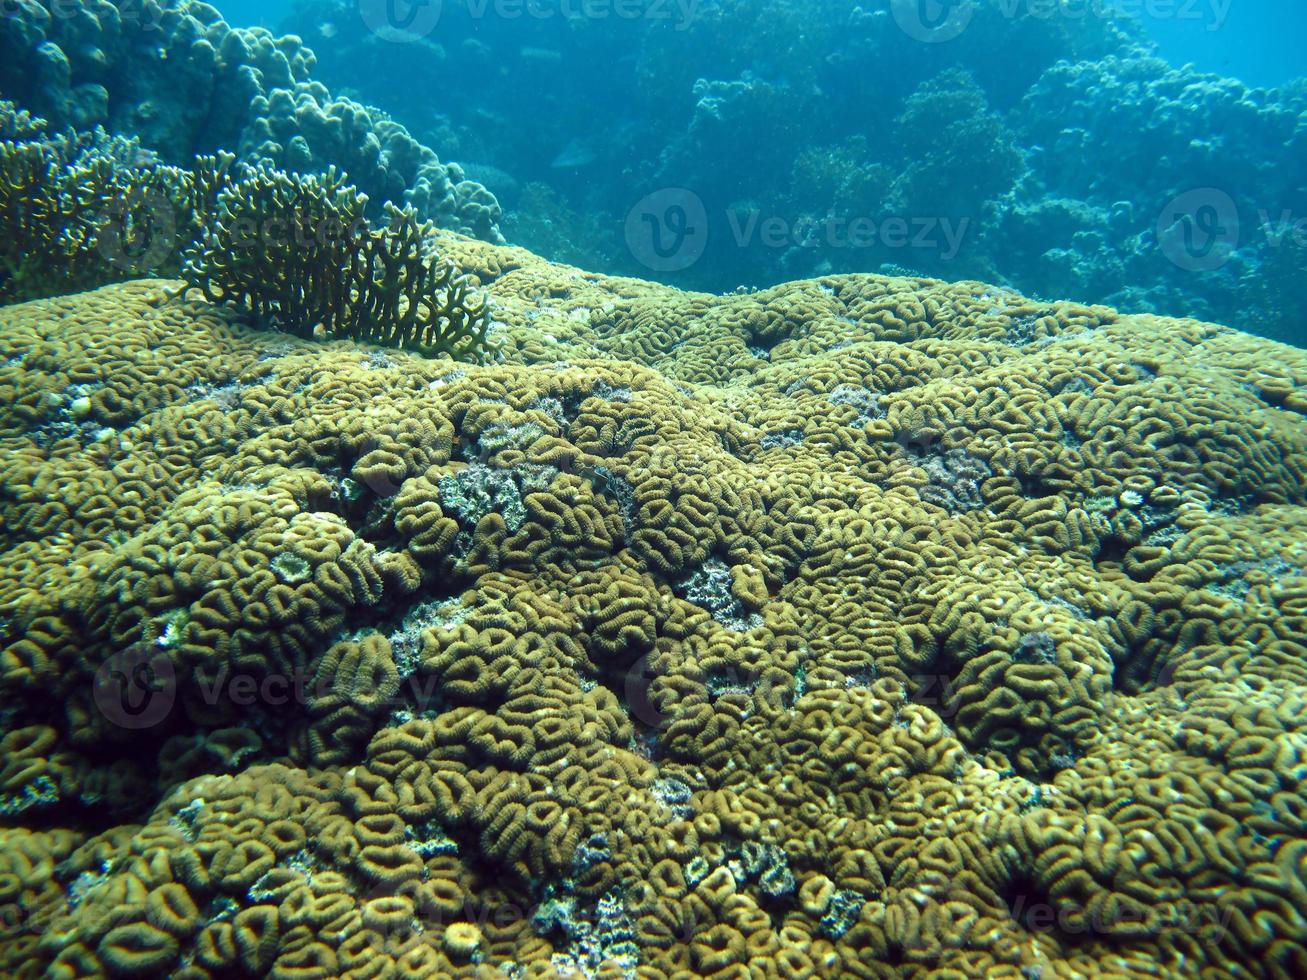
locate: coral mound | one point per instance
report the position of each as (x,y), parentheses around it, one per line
(861,627)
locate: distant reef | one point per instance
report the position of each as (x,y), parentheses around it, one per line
(860,627)
(1049,132)
(177,78)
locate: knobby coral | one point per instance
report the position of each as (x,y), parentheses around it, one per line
(186,83)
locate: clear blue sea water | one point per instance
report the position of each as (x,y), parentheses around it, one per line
(1262,42)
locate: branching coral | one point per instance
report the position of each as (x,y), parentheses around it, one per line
(187,83)
(41,223)
(297,253)
(18,124)
(80,210)
(83,209)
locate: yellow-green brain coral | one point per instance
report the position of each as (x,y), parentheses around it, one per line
(861,627)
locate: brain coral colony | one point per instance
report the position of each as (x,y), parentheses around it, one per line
(958,635)
(859,627)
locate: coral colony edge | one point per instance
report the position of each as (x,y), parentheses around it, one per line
(861,627)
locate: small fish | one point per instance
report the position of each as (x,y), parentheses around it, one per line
(598,477)
(577,153)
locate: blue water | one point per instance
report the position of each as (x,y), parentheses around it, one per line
(253,13)
(1146,154)
(1261,42)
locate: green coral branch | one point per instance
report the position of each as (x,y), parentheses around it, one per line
(80,210)
(296,253)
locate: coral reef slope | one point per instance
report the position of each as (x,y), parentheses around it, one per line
(861,627)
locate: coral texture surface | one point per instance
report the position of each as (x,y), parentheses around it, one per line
(860,627)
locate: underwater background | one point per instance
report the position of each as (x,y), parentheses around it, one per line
(1152,159)
(653,489)
(1040,147)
